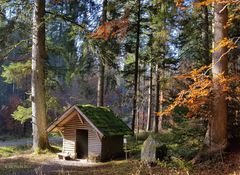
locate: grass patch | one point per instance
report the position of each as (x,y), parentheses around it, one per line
(11,150)
(51,150)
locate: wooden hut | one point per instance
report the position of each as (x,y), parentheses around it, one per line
(90,132)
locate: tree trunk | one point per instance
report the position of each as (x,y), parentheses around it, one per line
(157,107)
(39,119)
(101,73)
(143,104)
(206,39)
(160,110)
(138,103)
(149,118)
(216,137)
(135,96)
(100,87)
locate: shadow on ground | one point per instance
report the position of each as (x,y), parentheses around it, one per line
(50,165)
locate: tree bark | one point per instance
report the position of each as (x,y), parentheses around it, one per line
(157,107)
(135,96)
(149,118)
(101,73)
(160,110)
(138,103)
(206,38)
(216,136)
(39,119)
(100,87)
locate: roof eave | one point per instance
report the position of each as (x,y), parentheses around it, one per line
(60,119)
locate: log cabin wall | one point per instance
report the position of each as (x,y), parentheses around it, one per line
(69,137)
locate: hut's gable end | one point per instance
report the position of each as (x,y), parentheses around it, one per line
(69,136)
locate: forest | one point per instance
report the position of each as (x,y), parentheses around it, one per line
(169,69)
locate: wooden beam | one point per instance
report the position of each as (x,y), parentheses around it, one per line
(80,118)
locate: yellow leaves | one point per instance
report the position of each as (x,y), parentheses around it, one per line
(198,4)
(203,3)
(225,43)
(179,3)
(195,73)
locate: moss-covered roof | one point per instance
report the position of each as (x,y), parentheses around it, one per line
(105,120)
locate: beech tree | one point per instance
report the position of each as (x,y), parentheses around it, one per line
(39,119)
(211,90)
(216,137)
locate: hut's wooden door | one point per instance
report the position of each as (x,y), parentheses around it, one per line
(82,143)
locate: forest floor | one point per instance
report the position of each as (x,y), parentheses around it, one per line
(48,164)
(183,143)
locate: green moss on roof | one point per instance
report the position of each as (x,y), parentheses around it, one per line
(105,120)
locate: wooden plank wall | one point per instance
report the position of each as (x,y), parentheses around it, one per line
(69,139)
(112,147)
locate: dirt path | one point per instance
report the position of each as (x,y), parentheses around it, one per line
(29,164)
(26,141)
(49,164)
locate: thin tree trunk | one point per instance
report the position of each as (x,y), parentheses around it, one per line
(216,137)
(135,96)
(143,105)
(157,107)
(100,87)
(160,110)
(101,74)
(138,104)
(39,119)
(149,118)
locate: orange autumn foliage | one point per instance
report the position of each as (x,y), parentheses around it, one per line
(198,96)
(116,28)
(180,3)
(226,42)
(112,29)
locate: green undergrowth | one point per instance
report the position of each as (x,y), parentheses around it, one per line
(183,142)
(13,150)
